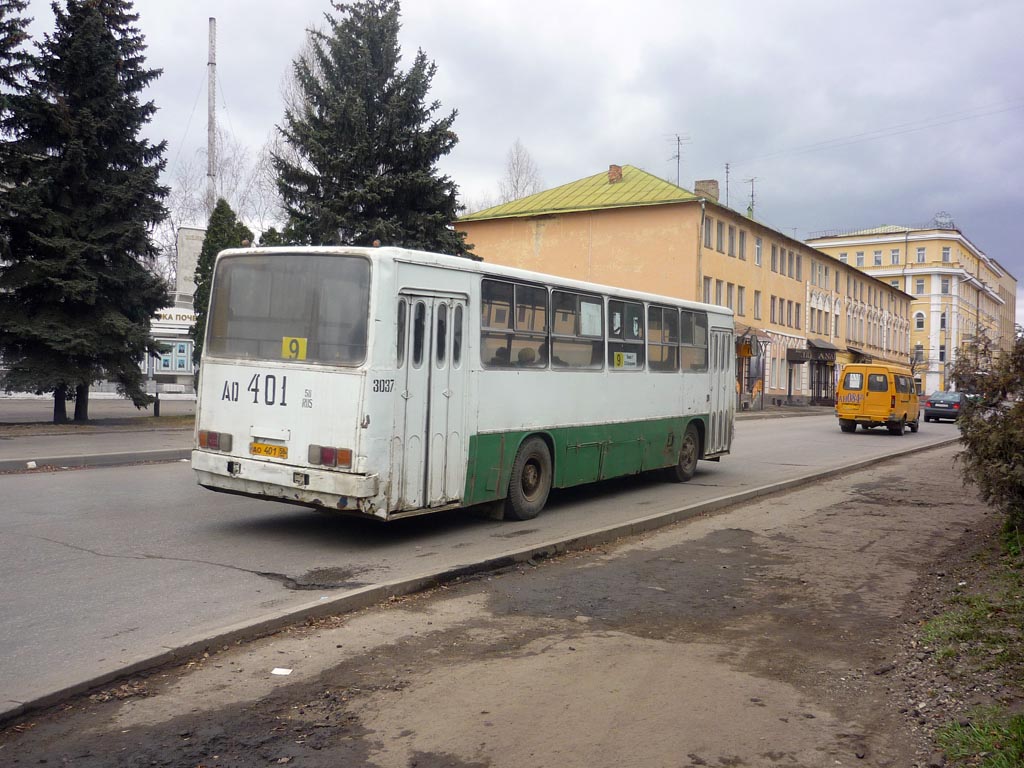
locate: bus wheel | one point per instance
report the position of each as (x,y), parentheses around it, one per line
(847,426)
(688,453)
(530,483)
(898,427)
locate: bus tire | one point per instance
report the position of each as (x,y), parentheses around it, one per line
(689,451)
(847,426)
(530,483)
(897,427)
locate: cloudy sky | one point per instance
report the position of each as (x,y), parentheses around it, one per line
(847,115)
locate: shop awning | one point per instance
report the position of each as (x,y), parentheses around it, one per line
(820,344)
(855,350)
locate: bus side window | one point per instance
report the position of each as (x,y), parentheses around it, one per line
(402,320)
(442,332)
(419,326)
(457,337)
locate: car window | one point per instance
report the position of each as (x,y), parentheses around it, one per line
(853,381)
(878,382)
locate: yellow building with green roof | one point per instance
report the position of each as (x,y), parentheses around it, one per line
(800,314)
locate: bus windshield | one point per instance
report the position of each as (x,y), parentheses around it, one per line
(307,307)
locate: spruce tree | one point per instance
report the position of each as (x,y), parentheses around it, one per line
(224,230)
(364,141)
(15,61)
(77,294)
(15,64)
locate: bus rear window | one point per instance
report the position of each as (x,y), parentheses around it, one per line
(312,308)
(853,381)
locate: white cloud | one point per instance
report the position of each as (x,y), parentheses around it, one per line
(924,95)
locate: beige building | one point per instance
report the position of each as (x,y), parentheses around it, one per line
(957,290)
(800,314)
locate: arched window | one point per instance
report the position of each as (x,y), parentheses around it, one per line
(919,321)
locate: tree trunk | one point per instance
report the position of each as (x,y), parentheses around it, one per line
(82,402)
(60,405)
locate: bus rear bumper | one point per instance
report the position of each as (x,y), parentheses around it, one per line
(298,485)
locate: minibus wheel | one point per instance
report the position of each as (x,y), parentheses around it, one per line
(530,483)
(848,425)
(898,427)
(689,451)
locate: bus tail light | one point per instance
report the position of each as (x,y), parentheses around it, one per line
(892,401)
(215,441)
(329,456)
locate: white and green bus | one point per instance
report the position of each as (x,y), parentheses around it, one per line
(387,383)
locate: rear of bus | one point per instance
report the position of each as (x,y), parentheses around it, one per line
(282,379)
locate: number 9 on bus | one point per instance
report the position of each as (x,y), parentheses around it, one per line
(293,348)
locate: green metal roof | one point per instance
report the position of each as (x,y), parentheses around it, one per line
(592,193)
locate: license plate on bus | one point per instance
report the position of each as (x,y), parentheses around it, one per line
(270,451)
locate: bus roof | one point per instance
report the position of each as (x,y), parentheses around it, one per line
(476,267)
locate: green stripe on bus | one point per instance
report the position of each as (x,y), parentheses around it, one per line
(581,454)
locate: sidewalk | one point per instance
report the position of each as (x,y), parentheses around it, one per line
(119,433)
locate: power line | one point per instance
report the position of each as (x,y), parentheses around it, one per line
(895,130)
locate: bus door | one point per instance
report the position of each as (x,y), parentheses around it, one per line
(430,463)
(722,400)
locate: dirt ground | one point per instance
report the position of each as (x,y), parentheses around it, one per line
(778,633)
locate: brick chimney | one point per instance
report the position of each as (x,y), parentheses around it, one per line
(706,188)
(614,174)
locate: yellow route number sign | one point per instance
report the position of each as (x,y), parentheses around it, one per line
(293,348)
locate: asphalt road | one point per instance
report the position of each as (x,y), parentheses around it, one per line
(110,567)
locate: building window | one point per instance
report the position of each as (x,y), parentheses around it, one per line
(860,258)
(919,321)
(836,334)
(773,315)
(775,258)
(797,315)
(719,285)
(789,313)
(919,353)
(945,254)
(707,290)
(894,256)
(741,300)
(919,286)
(790,272)
(843,258)
(728,295)
(707,232)
(945,285)
(743,245)
(942,353)
(799,267)
(757,305)
(878,258)
(942,321)
(920,255)
(757,251)
(732,240)
(720,237)
(895,284)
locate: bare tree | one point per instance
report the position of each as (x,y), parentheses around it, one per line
(522,178)
(246,183)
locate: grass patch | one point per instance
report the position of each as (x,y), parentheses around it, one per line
(144,421)
(991,740)
(981,637)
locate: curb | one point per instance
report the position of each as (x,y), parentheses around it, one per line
(94,460)
(364,597)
